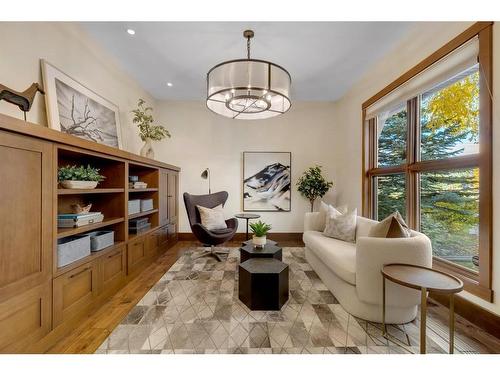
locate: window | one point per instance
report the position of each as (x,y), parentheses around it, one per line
(428,155)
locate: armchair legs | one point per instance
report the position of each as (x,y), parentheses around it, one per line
(212,252)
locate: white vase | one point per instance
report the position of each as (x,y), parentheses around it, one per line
(259,241)
(147,150)
(69,184)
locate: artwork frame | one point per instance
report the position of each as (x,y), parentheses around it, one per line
(88,115)
(257,164)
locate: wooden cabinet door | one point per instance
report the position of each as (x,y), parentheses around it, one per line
(151,244)
(75,291)
(136,255)
(25,318)
(163,197)
(26,213)
(172,196)
(163,239)
(113,270)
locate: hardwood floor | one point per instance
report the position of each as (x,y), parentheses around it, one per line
(99,324)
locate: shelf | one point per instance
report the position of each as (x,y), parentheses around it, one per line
(89,191)
(140,214)
(142,190)
(65,232)
(92,256)
(132,236)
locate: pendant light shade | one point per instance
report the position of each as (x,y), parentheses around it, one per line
(248,89)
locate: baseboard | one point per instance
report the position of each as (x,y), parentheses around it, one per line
(475,314)
(279,237)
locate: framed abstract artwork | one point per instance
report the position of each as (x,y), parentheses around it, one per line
(267,181)
(74,109)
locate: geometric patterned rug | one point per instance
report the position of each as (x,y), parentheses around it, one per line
(194,308)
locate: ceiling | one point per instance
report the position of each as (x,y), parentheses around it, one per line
(324,58)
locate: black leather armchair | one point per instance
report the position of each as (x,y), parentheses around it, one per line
(209,237)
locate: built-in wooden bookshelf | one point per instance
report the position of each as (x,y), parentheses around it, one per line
(40,301)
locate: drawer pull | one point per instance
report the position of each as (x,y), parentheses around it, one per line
(113,255)
(78,273)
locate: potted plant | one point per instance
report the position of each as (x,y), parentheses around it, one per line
(259,230)
(313,185)
(73,177)
(147,130)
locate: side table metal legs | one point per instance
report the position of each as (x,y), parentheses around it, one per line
(423,320)
(383,307)
(247,230)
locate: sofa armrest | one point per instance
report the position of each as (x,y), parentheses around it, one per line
(373,253)
(313,221)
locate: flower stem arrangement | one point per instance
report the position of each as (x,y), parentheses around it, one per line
(79,177)
(259,230)
(313,185)
(147,130)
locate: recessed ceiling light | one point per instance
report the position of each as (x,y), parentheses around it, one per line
(170,84)
(131,31)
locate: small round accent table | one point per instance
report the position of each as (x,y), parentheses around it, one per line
(426,280)
(247,217)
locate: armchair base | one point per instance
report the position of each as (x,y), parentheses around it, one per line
(212,252)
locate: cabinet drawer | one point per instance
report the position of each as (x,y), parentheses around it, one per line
(113,269)
(75,291)
(136,254)
(25,318)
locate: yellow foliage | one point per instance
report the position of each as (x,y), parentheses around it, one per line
(456,105)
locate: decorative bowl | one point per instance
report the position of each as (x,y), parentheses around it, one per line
(69,184)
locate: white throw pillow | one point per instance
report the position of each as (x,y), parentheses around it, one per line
(341,225)
(212,218)
(323,210)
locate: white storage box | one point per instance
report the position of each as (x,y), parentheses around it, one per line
(134,206)
(70,249)
(101,239)
(146,205)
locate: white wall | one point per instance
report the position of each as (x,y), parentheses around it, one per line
(66,46)
(424,40)
(201,139)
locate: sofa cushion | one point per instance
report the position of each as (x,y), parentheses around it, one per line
(341,225)
(339,256)
(393,226)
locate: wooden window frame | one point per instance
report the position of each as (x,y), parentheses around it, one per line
(479,284)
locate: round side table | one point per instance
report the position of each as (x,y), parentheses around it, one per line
(247,217)
(426,280)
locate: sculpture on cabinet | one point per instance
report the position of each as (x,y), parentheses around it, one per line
(24,99)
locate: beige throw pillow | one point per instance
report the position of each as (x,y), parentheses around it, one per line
(393,226)
(325,210)
(212,218)
(340,225)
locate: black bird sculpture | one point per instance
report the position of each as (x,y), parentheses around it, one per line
(23,100)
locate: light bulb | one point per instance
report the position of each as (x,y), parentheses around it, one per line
(131,31)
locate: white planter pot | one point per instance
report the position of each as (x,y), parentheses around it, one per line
(68,184)
(147,150)
(259,241)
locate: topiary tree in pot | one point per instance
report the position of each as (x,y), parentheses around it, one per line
(313,185)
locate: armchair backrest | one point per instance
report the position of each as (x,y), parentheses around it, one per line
(207,200)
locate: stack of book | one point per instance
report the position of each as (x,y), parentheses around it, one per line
(78,220)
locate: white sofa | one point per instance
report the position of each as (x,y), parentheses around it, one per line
(352,270)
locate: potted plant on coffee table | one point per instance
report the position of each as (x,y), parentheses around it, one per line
(260,230)
(79,177)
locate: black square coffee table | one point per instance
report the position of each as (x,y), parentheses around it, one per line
(263,283)
(268,251)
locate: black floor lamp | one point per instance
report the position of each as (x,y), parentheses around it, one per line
(206,174)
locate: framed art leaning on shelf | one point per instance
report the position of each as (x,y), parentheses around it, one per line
(75,109)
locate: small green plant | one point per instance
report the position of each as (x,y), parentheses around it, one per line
(144,121)
(81,173)
(260,229)
(313,185)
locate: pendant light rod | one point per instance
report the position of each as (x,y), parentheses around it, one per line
(248,34)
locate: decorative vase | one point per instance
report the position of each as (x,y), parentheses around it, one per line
(147,149)
(259,241)
(69,184)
